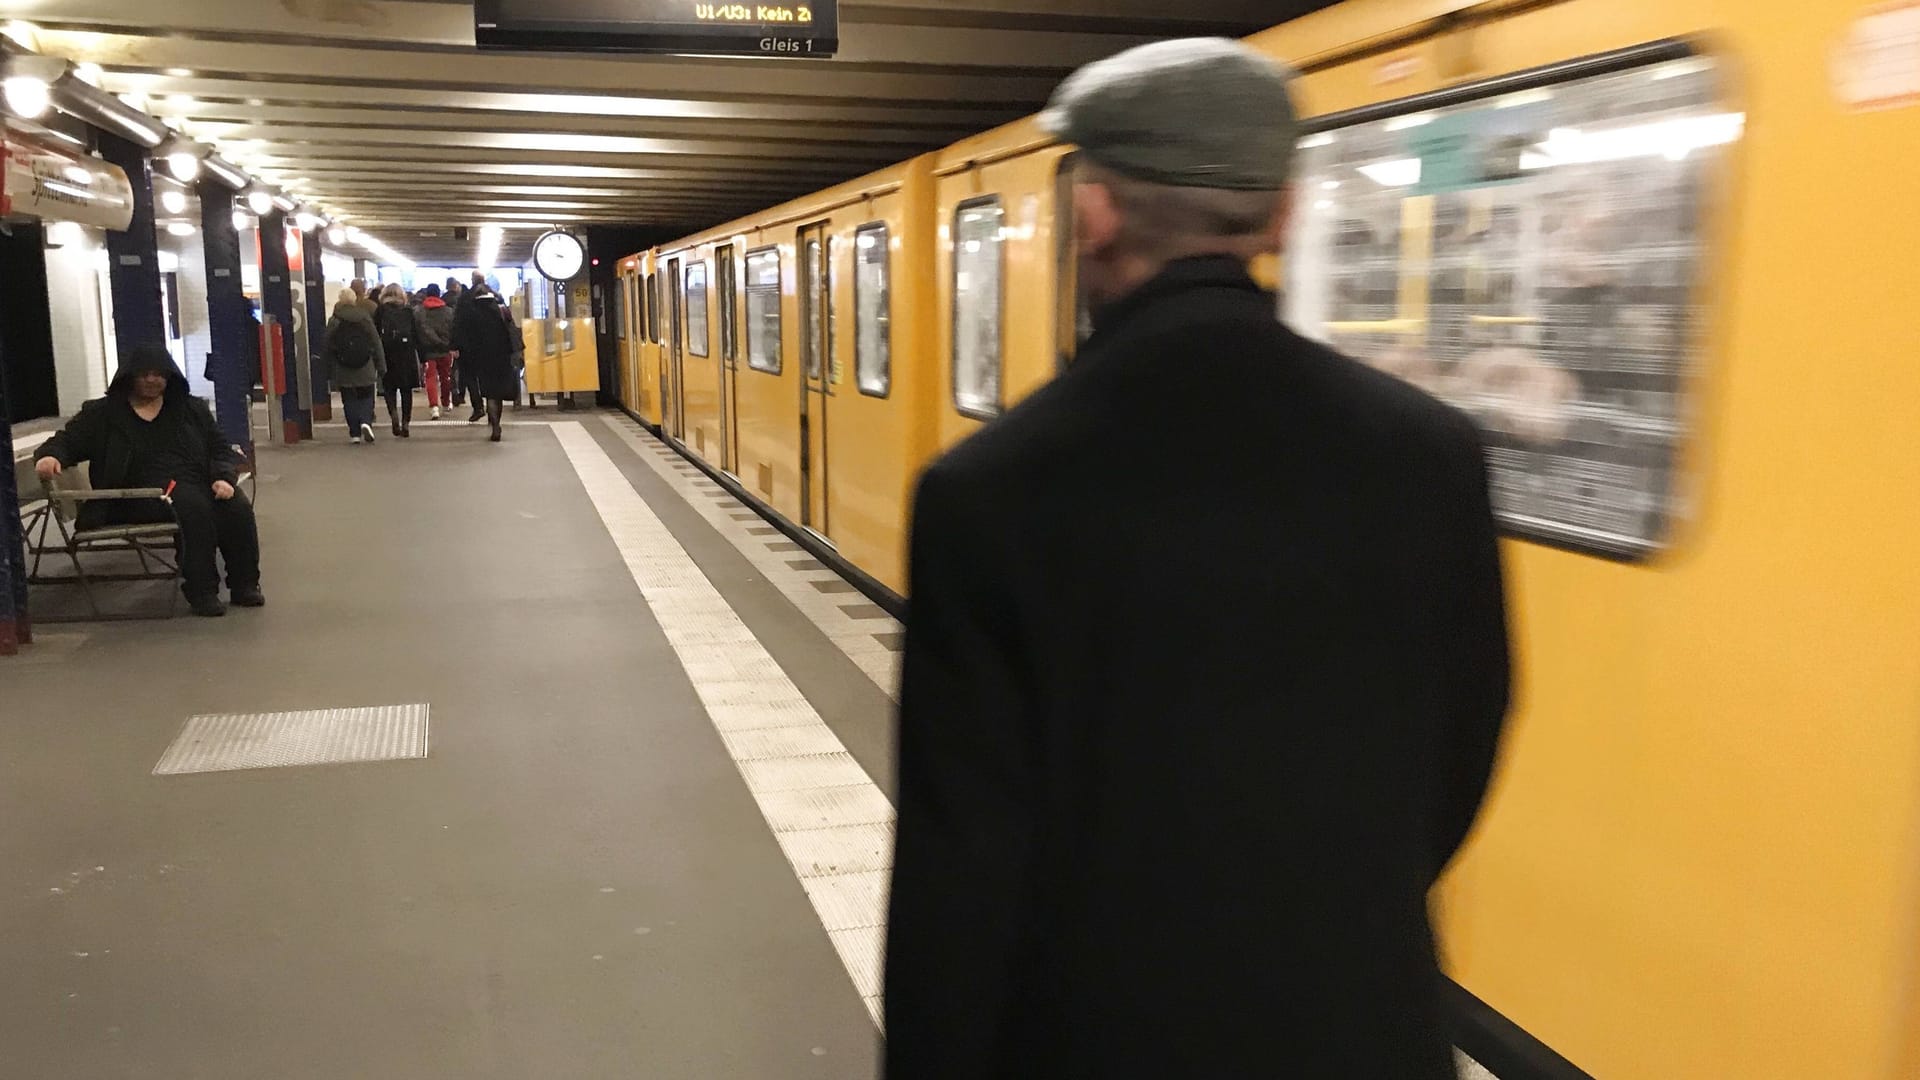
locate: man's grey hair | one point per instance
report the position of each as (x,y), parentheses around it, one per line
(1163,222)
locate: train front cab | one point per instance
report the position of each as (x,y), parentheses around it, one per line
(1702,852)
(780,358)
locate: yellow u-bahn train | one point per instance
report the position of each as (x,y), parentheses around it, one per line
(1664,251)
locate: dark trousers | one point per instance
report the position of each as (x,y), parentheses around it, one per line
(208,525)
(400,407)
(357,401)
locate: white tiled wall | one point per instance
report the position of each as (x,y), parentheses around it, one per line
(196,336)
(81,311)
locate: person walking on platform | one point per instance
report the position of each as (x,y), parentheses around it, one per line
(435,318)
(149,431)
(360,297)
(1181,751)
(356,362)
(483,342)
(400,344)
(455,293)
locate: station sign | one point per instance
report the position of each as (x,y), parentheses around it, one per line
(705,27)
(41,180)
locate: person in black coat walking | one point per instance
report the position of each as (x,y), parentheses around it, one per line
(1183,745)
(149,431)
(483,341)
(400,342)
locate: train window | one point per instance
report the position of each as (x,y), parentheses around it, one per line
(977,304)
(763,310)
(813,273)
(1530,253)
(653,307)
(1073,324)
(697,309)
(873,311)
(725,285)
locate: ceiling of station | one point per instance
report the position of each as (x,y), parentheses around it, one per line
(383,111)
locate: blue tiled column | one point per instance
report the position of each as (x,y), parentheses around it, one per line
(138,310)
(276,299)
(15,629)
(317,308)
(230,365)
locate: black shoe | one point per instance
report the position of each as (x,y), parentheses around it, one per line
(208,608)
(478,415)
(396,429)
(405,432)
(495,437)
(248,597)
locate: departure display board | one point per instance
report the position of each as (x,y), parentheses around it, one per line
(660,26)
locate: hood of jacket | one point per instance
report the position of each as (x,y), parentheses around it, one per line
(433,303)
(146,358)
(353,311)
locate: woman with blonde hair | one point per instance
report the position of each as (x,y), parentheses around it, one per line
(357,363)
(400,341)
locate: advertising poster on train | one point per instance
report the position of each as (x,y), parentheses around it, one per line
(1530,259)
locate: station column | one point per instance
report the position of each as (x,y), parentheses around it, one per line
(276,301)
(133,255)
(15,628)
(317,307)
(234,342)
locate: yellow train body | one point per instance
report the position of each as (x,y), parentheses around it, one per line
(1702,856)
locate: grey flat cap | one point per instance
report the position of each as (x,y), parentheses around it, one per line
(1199,112)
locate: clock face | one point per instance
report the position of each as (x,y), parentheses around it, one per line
(559,256)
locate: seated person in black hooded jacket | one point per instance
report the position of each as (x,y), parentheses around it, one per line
(150,432)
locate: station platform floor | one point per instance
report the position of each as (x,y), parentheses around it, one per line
(648,776)
(545,759)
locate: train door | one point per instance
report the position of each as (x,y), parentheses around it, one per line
(816,349)
(676,352)
(725,285)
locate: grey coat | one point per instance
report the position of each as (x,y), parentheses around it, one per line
(351,334)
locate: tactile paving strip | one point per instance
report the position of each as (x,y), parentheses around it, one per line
(278,740)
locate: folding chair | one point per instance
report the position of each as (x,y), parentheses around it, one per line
(54,529)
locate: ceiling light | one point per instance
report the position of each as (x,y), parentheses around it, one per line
(179,228)
(133,99)
(489,255)
(27,95)
(23,33)
(305,222)
(181,101)
(173,202)
(336,236)
(180,73)
(78,175)
(285,204)
(184,165)
(89,73)
(260,201)
(241,221)
(1412,120)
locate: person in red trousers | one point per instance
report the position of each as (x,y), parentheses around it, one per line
(436,349)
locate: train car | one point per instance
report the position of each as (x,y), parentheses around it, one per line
(640,357)
(1659,251)
(779,334)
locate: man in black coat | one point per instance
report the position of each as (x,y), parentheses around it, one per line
(149,431)
(1206,654)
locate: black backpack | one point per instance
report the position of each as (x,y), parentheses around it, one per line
(396,330)
(355,346)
